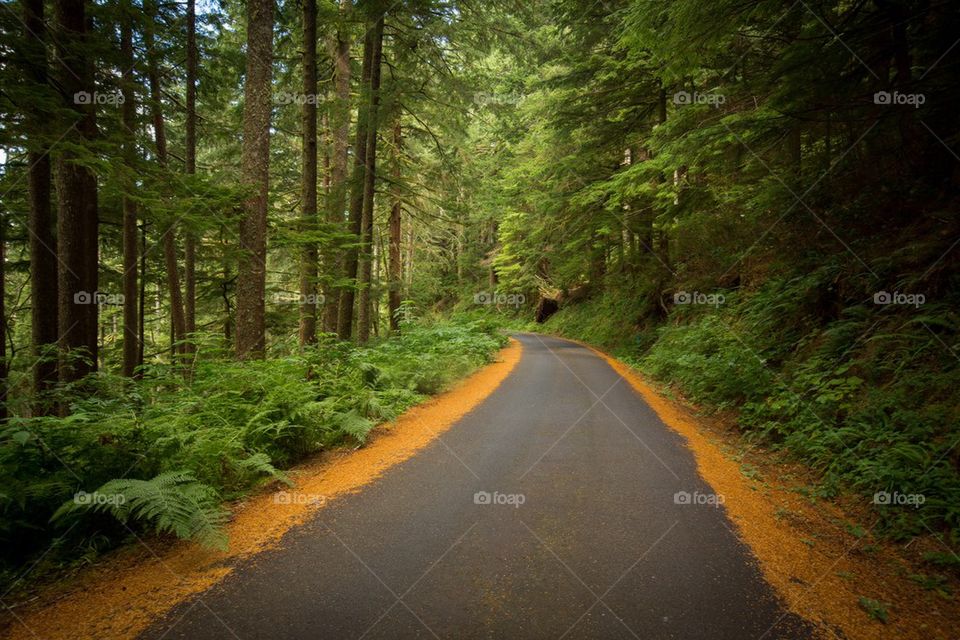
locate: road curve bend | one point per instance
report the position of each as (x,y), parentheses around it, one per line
(561,507)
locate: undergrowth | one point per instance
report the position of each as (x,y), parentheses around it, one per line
(864,393)
(161,454)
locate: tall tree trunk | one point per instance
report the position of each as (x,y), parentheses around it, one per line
(4,365)
(77,223)
(340,124)
(369,186)
(43,244)
(308,185)
(177,320)
(190,259)
(394,266)
(141,306)
(252,274)
(128,120)
(351,255)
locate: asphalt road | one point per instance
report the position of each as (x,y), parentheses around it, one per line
(550,511)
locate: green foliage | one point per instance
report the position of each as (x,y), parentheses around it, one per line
(172,502)
(174,449)
(874,608)
(867,398)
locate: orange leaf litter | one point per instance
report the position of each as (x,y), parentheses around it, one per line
(822,582)
(133,587)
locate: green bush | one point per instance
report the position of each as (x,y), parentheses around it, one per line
(864,393)
(174,448)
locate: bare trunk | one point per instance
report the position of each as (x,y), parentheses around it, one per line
(76,200)
(394,266)
(4,365)
(340,124)
(177,321)
(369,185)
(190,259)
(141,307)
(308,186)
(128,115)
(43,244)
(252,274)
(351,255)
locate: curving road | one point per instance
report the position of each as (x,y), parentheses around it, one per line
(547,512)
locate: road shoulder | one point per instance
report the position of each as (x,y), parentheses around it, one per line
(825,567)
(129,588)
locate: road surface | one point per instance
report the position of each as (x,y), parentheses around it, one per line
(554,510)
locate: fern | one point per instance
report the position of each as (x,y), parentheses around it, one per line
(172,502)
(354,425)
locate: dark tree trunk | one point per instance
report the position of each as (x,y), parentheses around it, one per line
(308,185)
(394,264)
(351,255)
(340,124)
(43,244)
(177,320)
(131,348)
(369,186)
(4,365)
(76,199)
(141,303)
(252,274)
(190,259)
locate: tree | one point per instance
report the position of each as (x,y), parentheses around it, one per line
(131,333)
(190,161)
(76,184)
(169,238)
(308,187)
(255,161)
(351,255)
(369,187)
(339,50)
(395,266)
(43,244)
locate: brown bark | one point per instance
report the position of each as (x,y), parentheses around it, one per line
(43,244)
(255,163)
(141,306)
(340,125)
(351,255)
(76,199)
(4,365)
(131,347)
(177,320)
(369,186)
(308,185)
(394,264)
(190,260)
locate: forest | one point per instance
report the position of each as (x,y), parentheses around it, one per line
(237,234)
